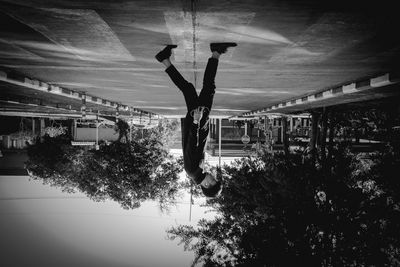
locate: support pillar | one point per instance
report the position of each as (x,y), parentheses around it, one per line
(33,126)
(331,134)
(217,128)
(97,135)
(291,124)
(220,141)
(42,126)
(314,134)
(324,122)
(75,130)
(213,129)
(265,127)
(83,107)
(209,133)
(285,141)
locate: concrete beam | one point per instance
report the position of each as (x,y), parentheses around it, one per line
(304,102)
(39,114)
(53,89)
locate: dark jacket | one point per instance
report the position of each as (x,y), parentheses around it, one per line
(193,148)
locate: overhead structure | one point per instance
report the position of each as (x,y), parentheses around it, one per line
(382,86)
(22,95)
(291,55)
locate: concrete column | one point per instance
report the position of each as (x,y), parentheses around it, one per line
(216,125)
(217,128)
(209,133)
(212,128)
(33,126)
(83,107)
(42,126)
(314,134)
(331,133)
(75,126)
(130,132)
(324,122)
(285,141)
(97,135)
(220,140)
(281,128)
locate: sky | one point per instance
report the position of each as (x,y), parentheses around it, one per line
(42,226)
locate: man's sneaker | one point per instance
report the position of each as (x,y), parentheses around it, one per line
(165,53)
(221,47)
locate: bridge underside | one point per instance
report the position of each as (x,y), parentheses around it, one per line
(287,50)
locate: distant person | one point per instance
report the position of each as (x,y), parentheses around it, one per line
(122,127)
(195,127)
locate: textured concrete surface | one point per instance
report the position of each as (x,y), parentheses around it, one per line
(286,48)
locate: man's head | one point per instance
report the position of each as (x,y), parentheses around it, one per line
(210,186)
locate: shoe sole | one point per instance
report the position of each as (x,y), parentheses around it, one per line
(171,46)
(224,44)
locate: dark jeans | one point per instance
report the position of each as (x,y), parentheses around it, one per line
(207,92)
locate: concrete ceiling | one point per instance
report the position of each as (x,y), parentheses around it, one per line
(285,48)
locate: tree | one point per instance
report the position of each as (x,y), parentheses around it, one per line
(166,132)
(128,173)
(285,211)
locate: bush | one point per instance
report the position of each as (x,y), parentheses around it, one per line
(283,211)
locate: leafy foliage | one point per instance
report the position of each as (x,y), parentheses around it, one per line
(128,173)
(283,211)
(165,132)
(368,123)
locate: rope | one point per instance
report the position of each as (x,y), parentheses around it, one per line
(198,135)
(194,21)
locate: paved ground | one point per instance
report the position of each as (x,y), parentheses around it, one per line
(286,48)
